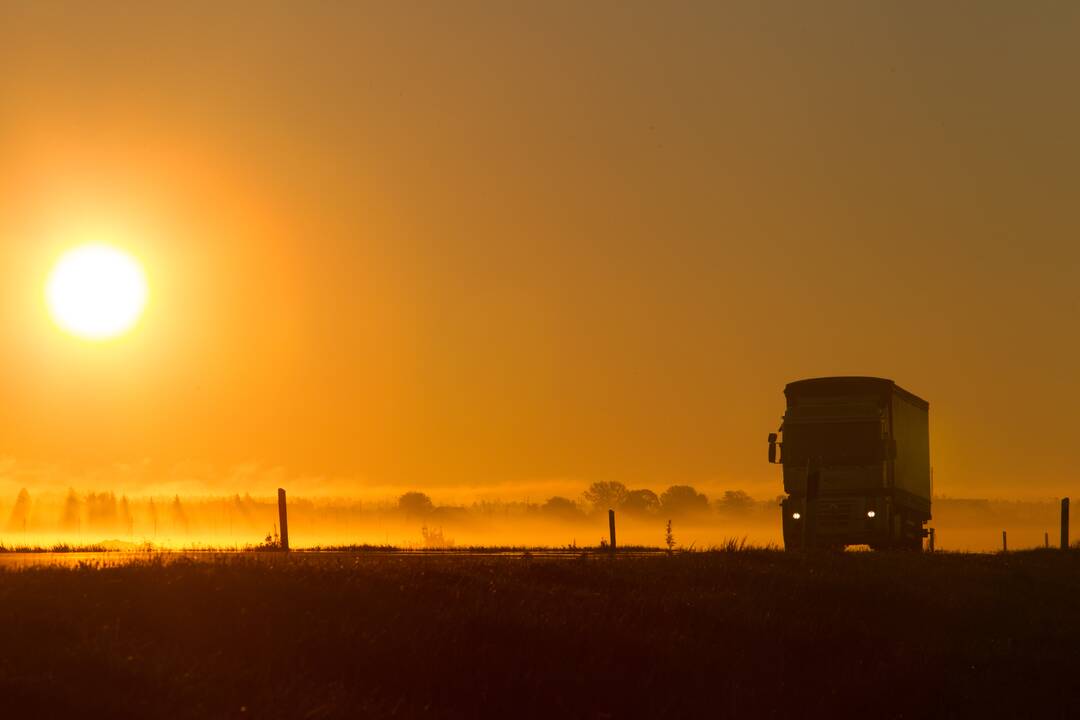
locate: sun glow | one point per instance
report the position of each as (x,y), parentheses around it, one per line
(96,292)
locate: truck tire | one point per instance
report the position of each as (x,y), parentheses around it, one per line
(911,534)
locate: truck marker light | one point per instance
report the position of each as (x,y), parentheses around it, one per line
(795,516)
(870,513)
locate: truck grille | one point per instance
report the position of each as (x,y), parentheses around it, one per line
(834,513)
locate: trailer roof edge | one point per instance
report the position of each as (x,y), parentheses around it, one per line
(848,383)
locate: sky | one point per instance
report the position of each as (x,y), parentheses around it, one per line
(515,248)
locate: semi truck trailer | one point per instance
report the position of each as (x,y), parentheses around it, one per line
(855,453)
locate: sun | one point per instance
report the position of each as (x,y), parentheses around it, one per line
(96,292)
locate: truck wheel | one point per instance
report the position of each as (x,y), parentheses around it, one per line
(911,542)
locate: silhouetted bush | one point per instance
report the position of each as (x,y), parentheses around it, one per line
(415,504)
(604,496)
(641,502)
(735,502)
(683,500)
(562,508)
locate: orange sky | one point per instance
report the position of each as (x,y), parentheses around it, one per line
(497,245)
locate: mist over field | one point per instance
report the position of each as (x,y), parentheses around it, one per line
(419,520)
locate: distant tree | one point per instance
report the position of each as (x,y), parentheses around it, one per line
(669,538)
(101,511)
(606,495)
(415,504)
(560,507)
(243,506)
(641,502)
(125,516)
(20,515)
(70,519)
(736,502)
(683,500)
(178,516)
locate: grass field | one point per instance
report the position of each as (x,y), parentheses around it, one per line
(727,634)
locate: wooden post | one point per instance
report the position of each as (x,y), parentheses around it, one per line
(931,539)
(1064,523)
(611,528)
(283,518)
(1004,542)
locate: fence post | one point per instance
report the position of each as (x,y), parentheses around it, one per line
(283,518)
(1064,523)
(611,528)
(931,539)
(1004,542)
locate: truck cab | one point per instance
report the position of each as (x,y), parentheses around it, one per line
(855,453)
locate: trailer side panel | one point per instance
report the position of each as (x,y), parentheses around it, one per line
(911,469)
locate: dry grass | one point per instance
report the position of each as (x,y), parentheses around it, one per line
(748,633)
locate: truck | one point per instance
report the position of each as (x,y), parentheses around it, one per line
(856,458)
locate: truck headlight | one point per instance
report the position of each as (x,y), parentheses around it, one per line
(870,513)
(795,516)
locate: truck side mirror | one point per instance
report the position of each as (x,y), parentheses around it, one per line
(772,447)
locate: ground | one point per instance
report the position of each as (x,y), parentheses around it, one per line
(725,634)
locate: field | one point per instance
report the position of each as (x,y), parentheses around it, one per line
(739,633)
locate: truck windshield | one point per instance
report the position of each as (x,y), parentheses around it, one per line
(850,442)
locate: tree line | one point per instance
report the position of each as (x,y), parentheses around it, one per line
(675,501)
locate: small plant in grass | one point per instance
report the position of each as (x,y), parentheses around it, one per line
(669,538)
(272,541)
(434,539)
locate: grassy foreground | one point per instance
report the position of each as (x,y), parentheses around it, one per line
(727,634)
